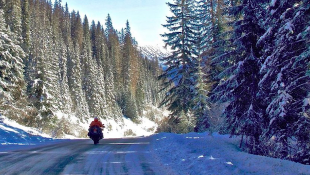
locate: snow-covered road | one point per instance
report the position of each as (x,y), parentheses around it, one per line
(110,156)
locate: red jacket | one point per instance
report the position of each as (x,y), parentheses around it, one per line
(96,122)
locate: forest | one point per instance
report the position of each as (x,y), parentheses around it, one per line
(246,59)
(53,61)
(238,67)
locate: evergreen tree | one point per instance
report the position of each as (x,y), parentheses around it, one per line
(109,27)
(180,64)
(66,26)
(239,79)
(35,68)
(284,83)
(79,104)
(92,76)
(203,38)
(13,16)
(12,83)
(76,29)
(25,25)
(130,70)
(114,53)
(130,64)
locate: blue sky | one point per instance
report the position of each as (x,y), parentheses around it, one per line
(145,16)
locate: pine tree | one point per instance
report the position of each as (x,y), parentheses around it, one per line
(203,38)
(180,64)
(92,76)
(284,83)
(42,68)
(130,64)
(13,16)
(114,54)
(76,29)
(239,79)
(129,67)
(25,25)
(66,26)
(12,84)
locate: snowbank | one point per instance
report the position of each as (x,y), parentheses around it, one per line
(14,136)
(206,153)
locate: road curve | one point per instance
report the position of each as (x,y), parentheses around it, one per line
(110,156)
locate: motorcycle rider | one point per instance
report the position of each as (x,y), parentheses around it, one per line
(98,123)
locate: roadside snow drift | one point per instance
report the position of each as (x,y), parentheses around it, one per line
(216,154)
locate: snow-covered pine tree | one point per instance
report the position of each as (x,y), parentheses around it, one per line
(79,107)
(25,25)
(78,98)
(92,76)
(12,83)
(302,126)
(40,74)
(76,29)
(180,65)
(284,85)
(239,78)
(94,41)
(59,47)
(13,16)
(79,104)
(114,54)
(130,75)
(66,26)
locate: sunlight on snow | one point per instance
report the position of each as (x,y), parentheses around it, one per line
(162,138)
(193,137)
(229,163)
(125,152)
(212,158)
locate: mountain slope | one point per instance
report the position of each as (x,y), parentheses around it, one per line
(152,52)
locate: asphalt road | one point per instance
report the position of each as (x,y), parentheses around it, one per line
(110,156)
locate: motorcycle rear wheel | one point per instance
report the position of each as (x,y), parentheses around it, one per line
(96,141)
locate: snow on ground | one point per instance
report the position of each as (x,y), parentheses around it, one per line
(127,128)
(193,153)
(206,153)
(14,133)
(15,136)
(119,127)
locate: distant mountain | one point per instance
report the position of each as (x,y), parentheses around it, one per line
(152,52)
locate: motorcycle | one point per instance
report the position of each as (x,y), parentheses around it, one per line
(95,133)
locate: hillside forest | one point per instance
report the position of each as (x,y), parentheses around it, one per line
(55,61)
